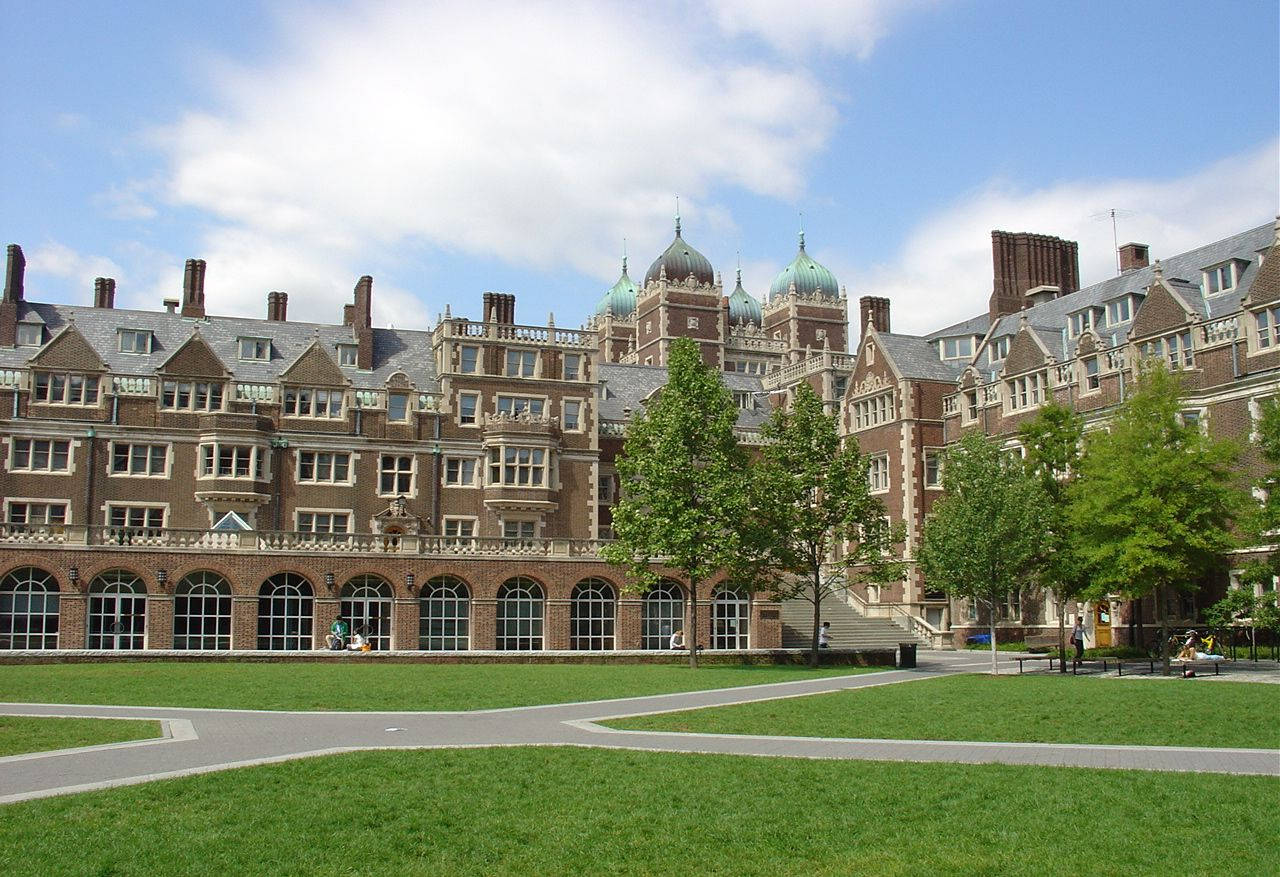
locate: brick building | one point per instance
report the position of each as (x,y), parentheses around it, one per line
(176,479)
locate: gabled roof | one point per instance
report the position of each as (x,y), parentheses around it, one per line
(194,358)
(69,349)
(915,357)
(315,366)
(627,386)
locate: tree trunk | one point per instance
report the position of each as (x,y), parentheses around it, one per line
(692,640)
(817,620)
(1163,615)
(1062,636)
(991,619)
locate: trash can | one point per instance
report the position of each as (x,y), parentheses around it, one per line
(906,655)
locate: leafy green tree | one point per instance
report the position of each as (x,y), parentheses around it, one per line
(684,482)
(988,529)
(1228,613)
(1263,522)
(1053,443)
(812,501)
(1155,499)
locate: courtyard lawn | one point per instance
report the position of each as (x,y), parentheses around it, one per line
(22,734)
(1040,709)
(577,811)
(349,686)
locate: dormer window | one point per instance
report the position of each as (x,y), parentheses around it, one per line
(1222,278)
(29,335)
(1119,311)
(348,354)
(135,340)
(66,389)
(1078,322)
(255,349)
(743,400)
(313,402)
(956,348)
(998,349)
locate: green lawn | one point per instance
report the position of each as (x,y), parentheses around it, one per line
(1044,709)
(370,686)
(20,734)
(577,811)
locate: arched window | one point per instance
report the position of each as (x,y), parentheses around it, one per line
(592,615)
(663,613)
(117,611)
(284,613)
(366,606)
(520,615)
(28,610)
(202,612)
(444,615)
(730,615)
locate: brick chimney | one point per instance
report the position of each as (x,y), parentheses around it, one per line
(499,307)
(1134,256)
(362,322)
(874,310)
(1022,261)
(277,306)
(104,292)
(15,270)
(193,289)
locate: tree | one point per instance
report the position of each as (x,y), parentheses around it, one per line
(1155,499)
(684,482)
(1053,441)
(987,529)
(811,497)
(1262,524)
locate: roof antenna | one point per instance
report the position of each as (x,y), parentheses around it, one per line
(1112,213)
(739,267)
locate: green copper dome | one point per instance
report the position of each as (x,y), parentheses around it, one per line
(743,307)
(621,297)
(680,260)
(808,276)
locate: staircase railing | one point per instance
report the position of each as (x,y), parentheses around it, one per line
(912,624)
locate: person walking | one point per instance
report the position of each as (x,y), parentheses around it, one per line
(824,635)
(1077,640)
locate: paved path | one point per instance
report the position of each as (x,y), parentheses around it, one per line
(203,740)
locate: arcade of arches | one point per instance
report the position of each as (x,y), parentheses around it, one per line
(123,608)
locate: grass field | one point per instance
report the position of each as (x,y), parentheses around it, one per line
(575,811)
(1044,709)
(370,686)
(21,734)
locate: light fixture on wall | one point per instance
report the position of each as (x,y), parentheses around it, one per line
(409,581)
(73,574)
(162,578)
(328,581)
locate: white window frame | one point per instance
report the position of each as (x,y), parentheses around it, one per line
(937,456)
(260,351)
(459,530)
(458,477)
(505,461)
(878,473)
(408,406)
(475,411)
(1266,324)
(521,363)
(50,452)
(873,411)
(313,516)
(527,527)
(476,363)
(76,389)
(127,510)
(1221,278)
(513,405)
(349,355)
(129,471)
(1090,383)
(178,395)
(395,470)
(316,459)
(1028,391)
(23,335)
(46,504)
(575,372)
(691,323)
(1115,306)
(564,414)
(135,335)
(209,460)
(313,403)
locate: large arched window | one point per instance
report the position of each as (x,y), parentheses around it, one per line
(366,606)
(444,615)
(117,611)
(520,615)
(663,613)
(28,610)
(730,615)
(592,615)
(202,612)
(284,613)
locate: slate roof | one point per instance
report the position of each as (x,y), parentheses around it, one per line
(973,326)
(625,386)
(916,357)
(394,350)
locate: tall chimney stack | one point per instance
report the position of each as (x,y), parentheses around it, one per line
(193,289)
(104,292)
(277,306)
(15,268)
(1022,261)
(874,310)
(362,322)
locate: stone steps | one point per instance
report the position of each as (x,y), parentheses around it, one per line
(849,630)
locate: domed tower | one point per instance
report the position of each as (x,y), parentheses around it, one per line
(680,298)
(744,309)
(615,318)
(806,307)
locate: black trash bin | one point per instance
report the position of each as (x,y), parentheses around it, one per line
(906,655)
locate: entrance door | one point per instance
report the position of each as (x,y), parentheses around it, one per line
(117,621)
(1102,625)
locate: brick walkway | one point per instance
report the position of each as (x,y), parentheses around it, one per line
(201,740)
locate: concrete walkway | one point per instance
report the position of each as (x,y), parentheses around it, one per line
(204,740)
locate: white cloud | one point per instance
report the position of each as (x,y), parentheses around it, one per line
(942,272)
(129,200)
(800,27)
(541,134)
(57,260)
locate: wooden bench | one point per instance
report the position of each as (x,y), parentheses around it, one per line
(1038,641)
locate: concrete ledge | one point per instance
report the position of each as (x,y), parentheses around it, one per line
(836,657)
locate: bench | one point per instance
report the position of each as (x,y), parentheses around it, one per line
(1041,641)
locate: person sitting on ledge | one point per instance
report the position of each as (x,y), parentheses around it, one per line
(677,639)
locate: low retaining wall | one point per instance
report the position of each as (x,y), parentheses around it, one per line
(830,657)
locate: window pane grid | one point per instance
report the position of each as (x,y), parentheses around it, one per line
(117,611)
(592,614)
(28,610)
(520,607)
(366,607)
(730,615)
(445,613)
(202,612)
(285,613)
(663,614)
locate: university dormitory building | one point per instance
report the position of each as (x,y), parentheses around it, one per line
(179,480)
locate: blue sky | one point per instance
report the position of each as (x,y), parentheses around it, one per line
(452,148)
